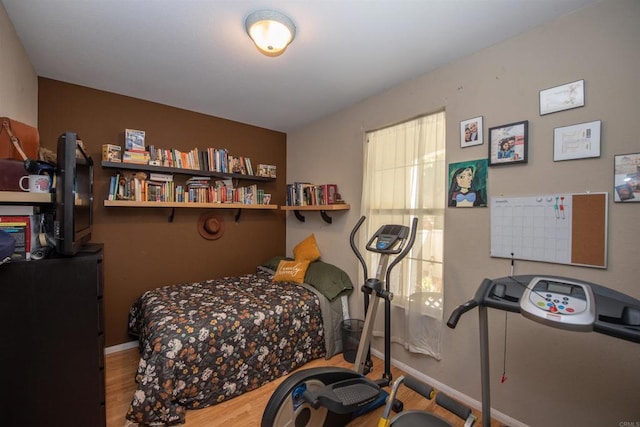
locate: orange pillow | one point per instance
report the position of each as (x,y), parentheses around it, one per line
(307,250)
(291,271)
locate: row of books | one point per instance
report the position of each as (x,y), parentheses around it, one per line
(161,188)
(209,159)
(308,194)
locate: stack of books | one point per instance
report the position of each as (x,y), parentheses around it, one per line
(308,194)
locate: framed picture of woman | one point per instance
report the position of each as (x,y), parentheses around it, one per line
(468,184)
(508,144)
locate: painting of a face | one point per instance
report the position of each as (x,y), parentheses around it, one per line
(464,178)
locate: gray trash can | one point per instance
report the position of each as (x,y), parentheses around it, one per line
(351,333)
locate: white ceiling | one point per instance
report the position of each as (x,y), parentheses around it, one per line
(195,54)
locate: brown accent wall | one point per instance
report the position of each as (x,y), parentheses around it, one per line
(143,250)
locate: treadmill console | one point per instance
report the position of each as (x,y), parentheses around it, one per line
(559,303)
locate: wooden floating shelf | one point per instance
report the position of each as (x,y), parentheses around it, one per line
(181,205)
(134,204)
(25,197)
(183,171)
(338,207)
(318,208)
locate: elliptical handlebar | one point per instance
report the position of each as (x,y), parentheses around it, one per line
(355,248)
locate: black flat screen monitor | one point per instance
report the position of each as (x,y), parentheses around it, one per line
(74,196)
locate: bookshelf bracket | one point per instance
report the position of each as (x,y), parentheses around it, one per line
(323,214)
(325,217)
(299,215)
(171,215)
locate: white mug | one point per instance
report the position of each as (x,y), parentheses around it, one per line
(37,183)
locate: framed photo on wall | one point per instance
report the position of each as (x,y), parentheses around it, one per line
(508,144)
(579,141)
(471,132)
(560,98)
(626,182)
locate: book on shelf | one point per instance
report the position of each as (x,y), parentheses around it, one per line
(13,210)
(331,192)
(237,165)
(155,192)
(19,227)
(164,177)
(250,195)
(112,187)
(249,166)
(139,157)
(134,140)
(198,181)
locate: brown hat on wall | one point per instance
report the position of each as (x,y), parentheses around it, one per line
(210,226)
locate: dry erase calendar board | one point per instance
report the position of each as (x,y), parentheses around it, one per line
(558,228)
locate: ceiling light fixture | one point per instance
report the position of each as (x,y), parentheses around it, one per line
(271,31)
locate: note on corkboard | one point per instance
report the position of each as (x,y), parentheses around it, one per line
(559,228)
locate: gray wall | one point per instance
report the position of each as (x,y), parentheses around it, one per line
(19,83)
(554,377)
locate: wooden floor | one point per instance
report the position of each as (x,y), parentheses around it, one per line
(247,409)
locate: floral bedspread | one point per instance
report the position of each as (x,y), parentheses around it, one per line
(206,342)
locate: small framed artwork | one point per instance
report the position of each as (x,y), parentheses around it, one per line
(471,132)
(579,141)
(560,98)
(626,182)
(468,184)
(508,144)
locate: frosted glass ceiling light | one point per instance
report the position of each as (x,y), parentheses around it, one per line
(271,31)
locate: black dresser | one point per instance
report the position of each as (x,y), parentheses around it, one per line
(52,342)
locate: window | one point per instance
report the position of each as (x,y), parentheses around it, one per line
(405,177)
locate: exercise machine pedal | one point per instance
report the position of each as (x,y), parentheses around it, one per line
(345,396)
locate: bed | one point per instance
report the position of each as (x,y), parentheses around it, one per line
(206,342)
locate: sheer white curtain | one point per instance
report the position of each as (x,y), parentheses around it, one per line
(405,177)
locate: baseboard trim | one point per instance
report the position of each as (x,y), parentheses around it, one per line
(469,401)
(121,347)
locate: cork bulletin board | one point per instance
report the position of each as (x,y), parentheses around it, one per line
(559,228)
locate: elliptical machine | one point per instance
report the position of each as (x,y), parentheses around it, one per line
(333,396)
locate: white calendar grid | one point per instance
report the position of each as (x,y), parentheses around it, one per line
(534,228)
